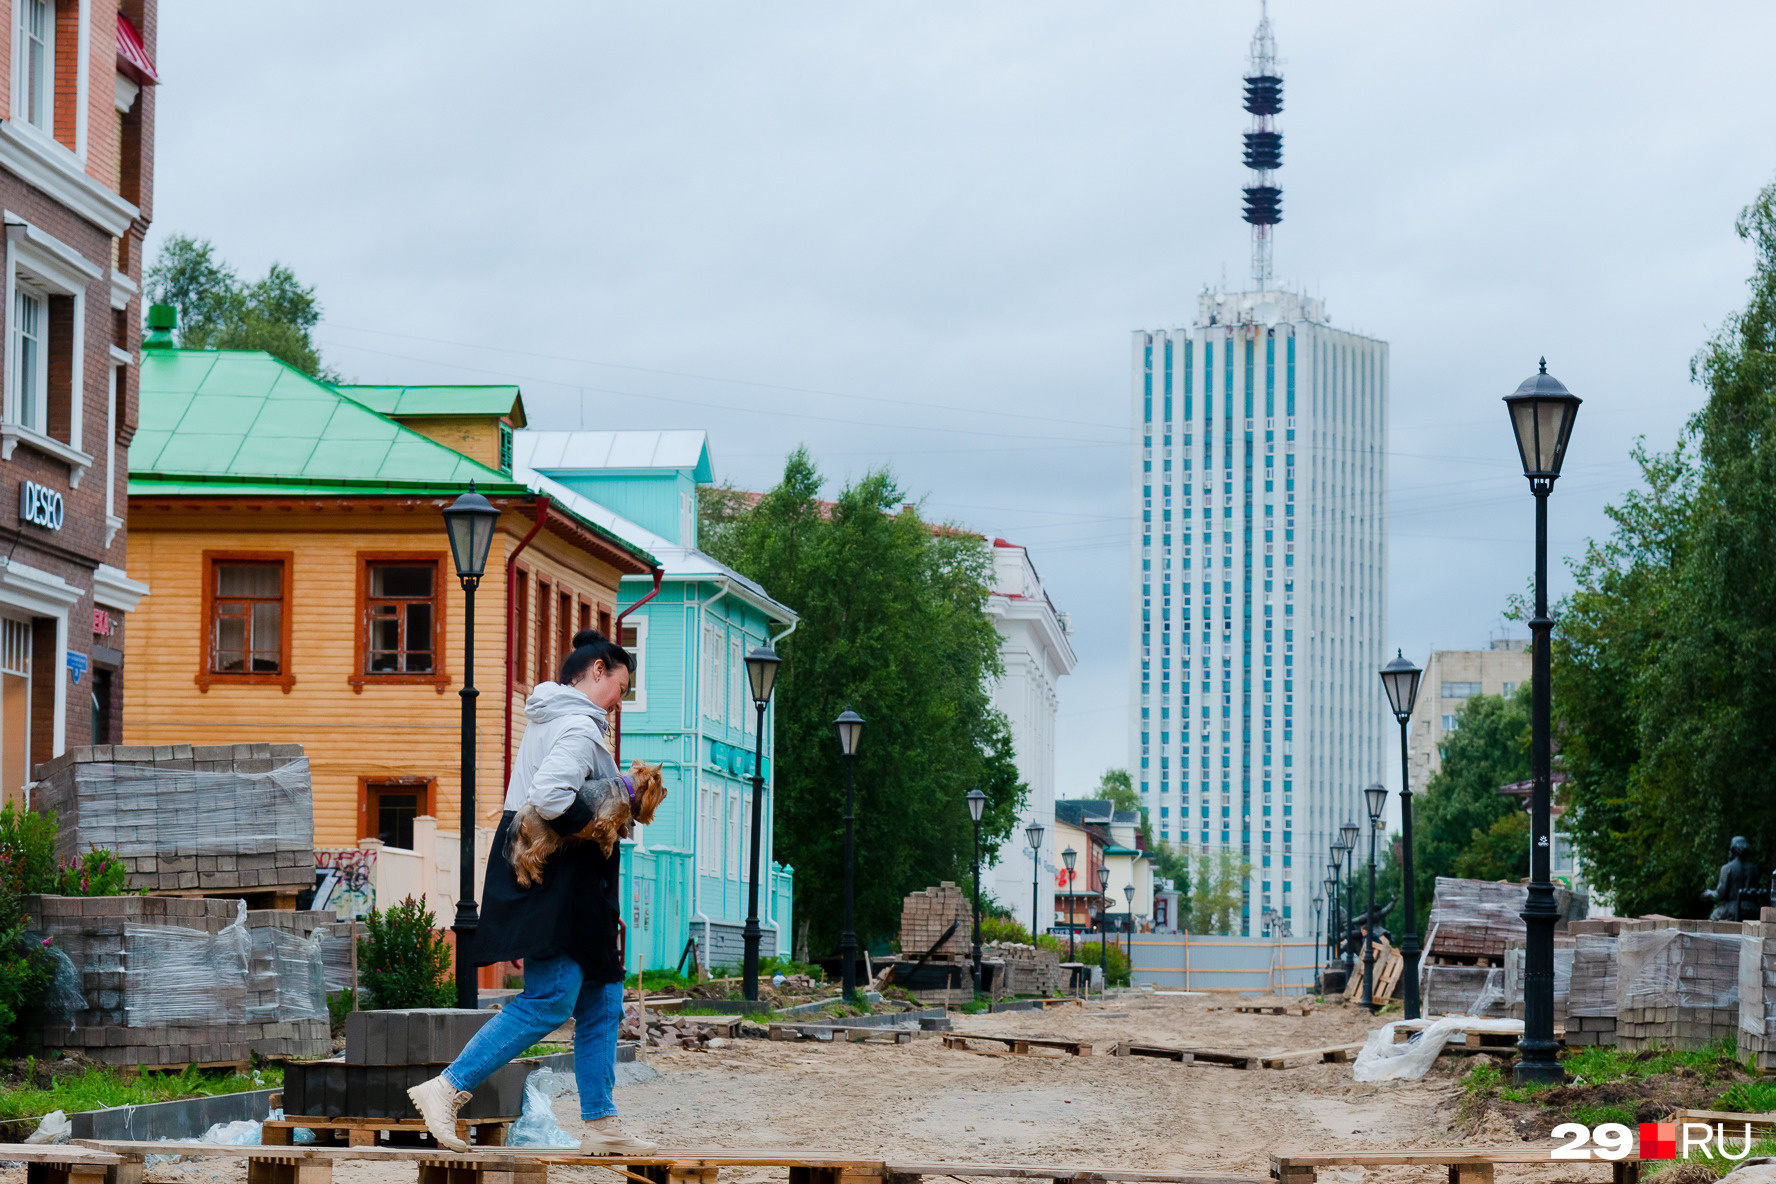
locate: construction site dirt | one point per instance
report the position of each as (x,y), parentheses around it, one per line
(923,1101)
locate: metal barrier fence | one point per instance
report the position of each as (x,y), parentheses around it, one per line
(1207,962)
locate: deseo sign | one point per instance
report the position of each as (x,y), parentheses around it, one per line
(40,506)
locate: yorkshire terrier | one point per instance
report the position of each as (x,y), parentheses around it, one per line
(623,801)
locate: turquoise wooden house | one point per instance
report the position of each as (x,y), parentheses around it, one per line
(689,708)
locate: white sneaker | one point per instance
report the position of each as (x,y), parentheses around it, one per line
(606,1136)
(437,1102)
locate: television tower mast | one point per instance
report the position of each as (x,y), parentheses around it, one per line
(1264,146)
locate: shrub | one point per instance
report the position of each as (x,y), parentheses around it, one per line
(1003,929)
(1089,953)
(403,960)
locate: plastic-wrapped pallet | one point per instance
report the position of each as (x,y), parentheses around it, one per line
(1515,956)
(1461,990)
(206,818)
(1757,994)
(1591,1004)
(1478,918)
(1677,983)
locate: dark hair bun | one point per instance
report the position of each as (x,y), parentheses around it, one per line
(587,637)
(589,646)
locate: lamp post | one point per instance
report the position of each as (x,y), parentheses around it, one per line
(849,726)
(1068,858)
(1348,833)
(1338,923)
(1400,678)
(469,523)
(761,675)
(977,804)
(1319,903)
(1103,923)
(1128,895)
(1542,413)
(1377,796)
(1033,833)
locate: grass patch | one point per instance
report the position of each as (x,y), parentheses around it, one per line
(97,1088)
(1600,1063)
(1704,1165)
(1750,1097)
(545,1050)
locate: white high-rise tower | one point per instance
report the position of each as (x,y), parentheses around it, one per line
(1258,574)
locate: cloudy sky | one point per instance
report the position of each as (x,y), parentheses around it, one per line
(918,235)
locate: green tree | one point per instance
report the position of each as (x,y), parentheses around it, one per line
(892,625)
(403,958)
(1453,820)
(218,310)
(1215,896)
(1665,655)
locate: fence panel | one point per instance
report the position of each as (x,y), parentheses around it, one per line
(1207,962)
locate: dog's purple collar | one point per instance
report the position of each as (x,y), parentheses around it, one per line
(634,806)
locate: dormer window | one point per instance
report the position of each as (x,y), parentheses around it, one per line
(36,54)
(505,448)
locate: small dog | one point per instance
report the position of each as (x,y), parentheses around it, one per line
(624,801)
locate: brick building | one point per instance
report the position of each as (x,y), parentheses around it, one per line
(76,168)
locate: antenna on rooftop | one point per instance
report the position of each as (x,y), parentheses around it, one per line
(1264,146)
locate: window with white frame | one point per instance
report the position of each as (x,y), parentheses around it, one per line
(29,395)
(709,832)
(634,639)
(35,84)
(746,836)
(713,676)
(736,682)
(734,828)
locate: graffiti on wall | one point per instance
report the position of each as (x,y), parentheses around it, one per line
(345,881)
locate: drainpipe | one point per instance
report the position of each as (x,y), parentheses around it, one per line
(697,912)
(617,733)
(775,927)
(542,513)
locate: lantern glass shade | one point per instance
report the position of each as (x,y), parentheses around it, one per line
(1103,879)
(1069,857)
(469,522)
(1033,833)
(1128,894)
(1338,853)
(1330,885)
(850,727)
(1349,832)
(761,673)
(1400,678)
(1377,796)
(977,804)
(1542,413)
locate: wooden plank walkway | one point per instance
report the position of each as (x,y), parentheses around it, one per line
(853,1033)
(1337,1054)
(1273,1009)
(1187,1056)
(1017,1045)
(1467,1165)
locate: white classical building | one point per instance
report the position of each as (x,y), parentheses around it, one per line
(1258,586)
(1036,654)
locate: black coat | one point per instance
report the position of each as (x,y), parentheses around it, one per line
(573,911)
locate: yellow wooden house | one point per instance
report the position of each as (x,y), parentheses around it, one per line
(304,591)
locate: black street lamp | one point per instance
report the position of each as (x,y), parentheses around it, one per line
(1104,922)
(849,726)
(469,523)
(977,805)
(1128,895)
(1033,835)
(1068,858)
(1319,903)
(1342,932)
(1400,677)
(1377,799)
(761,675)
(1542,413)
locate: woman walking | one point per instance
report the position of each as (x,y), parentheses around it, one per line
(565,927)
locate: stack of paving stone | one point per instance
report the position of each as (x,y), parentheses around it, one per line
(1515,955)
(1591,1001)
(1028,970)
(1461,990)
(924,916)
(1475,920)
(172,981)
(389,1052)
(1677,983)
(1757,992)
(203,819)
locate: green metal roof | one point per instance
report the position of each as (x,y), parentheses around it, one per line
(237,422)
(436,400)
(1121,851)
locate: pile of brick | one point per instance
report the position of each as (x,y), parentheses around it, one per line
(389,1052)
(1757,992)
(924,916)
(1026,970)
(1677,982)
(171,981)
(1476,919)
(1515,956)
(1591,1000)
(1461,990)
(223,818)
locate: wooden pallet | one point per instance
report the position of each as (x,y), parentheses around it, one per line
(1186,1056)
(45,1164)
(1273,1009)
(1019,1045)
(853,1034)
(1465,1042)
(1336,1055)
(367,1132)
(911,1173)
(1467,1165)
(1734,1124)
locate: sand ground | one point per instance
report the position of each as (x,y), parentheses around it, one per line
(921,1101)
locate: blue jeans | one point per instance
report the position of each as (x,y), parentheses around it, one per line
(553,990)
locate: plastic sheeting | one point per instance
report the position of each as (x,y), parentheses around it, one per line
(64,998)
(536,1126)
(1514,970)
(176,976)
(1593,987)
(1661,968)
(1383,1060)
(1461,990)
(141,810)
